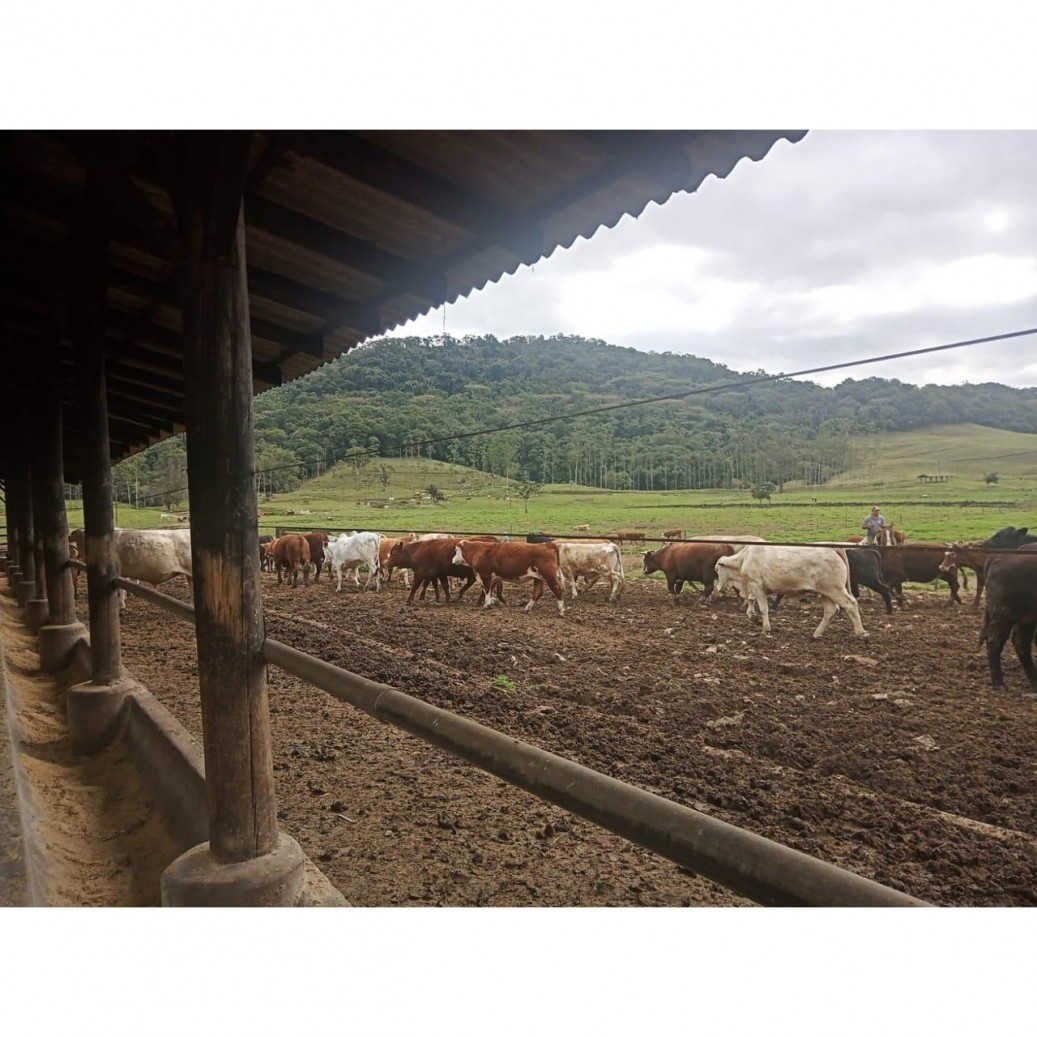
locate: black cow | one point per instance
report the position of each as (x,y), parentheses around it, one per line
(1011,582)
(866,571)
(1009,538)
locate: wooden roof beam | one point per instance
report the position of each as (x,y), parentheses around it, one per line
(333,244)
(364,161)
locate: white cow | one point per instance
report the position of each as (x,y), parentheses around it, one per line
(152,556)
(761,569)
(578,558)
(351,552)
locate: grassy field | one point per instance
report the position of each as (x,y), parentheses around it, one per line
(965,507)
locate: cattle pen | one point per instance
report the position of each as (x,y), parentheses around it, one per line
(747,864)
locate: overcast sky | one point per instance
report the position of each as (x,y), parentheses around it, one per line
(845,245)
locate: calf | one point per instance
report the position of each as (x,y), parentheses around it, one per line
(1011,610)
(384,548)
(673,534)
(514,561)
(578,558)
(292,553)
(761,569)
(917,563)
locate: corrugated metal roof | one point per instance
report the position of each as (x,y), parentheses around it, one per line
(348,234)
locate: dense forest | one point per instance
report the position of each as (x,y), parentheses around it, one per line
(396,397)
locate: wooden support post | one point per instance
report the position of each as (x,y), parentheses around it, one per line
(61,631)
(94,708)
(244,842)
(26,585)
(37,608)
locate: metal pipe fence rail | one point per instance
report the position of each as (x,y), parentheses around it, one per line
(749,865)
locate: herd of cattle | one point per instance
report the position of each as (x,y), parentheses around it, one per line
(761,573)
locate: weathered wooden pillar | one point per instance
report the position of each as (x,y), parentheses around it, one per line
(246,861)
(60,631)
(37,608)
(11,500)
(26,586)
(94,708)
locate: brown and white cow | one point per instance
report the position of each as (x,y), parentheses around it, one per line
(432,562)
(517,562)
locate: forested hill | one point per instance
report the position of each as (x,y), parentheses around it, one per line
(393,392)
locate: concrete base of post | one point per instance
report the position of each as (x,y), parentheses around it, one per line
(37,612)
(95,712)
(12,573)
(197,879)
(24,590)
(56,642)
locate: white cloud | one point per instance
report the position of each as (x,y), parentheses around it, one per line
(842,246)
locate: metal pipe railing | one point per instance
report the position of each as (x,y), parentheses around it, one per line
(747,864)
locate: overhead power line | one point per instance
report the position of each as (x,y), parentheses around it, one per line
(743,383)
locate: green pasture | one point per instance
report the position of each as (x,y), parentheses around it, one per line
(388,495)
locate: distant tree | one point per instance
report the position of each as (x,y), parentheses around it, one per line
(359,458)
(385,475)
(436,495)
(763,491)
(526,488)
(990,478)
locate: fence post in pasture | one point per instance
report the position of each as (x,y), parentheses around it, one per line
(37,608)
(247,861)
(95,707)
(60,632)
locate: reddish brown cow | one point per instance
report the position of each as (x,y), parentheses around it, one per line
(517,562)
(688,563)
(970,555)
(317,542)
(629,536)
(432,562)
(292,552)
(673,534)
(916,563)
(385,545)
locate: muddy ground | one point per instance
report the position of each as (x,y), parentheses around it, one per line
(890,757)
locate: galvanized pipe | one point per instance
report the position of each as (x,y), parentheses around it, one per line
(747,864)
(180,609)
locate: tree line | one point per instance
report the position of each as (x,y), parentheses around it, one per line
(409,396)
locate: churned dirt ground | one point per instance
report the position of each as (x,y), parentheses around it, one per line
(890,757)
